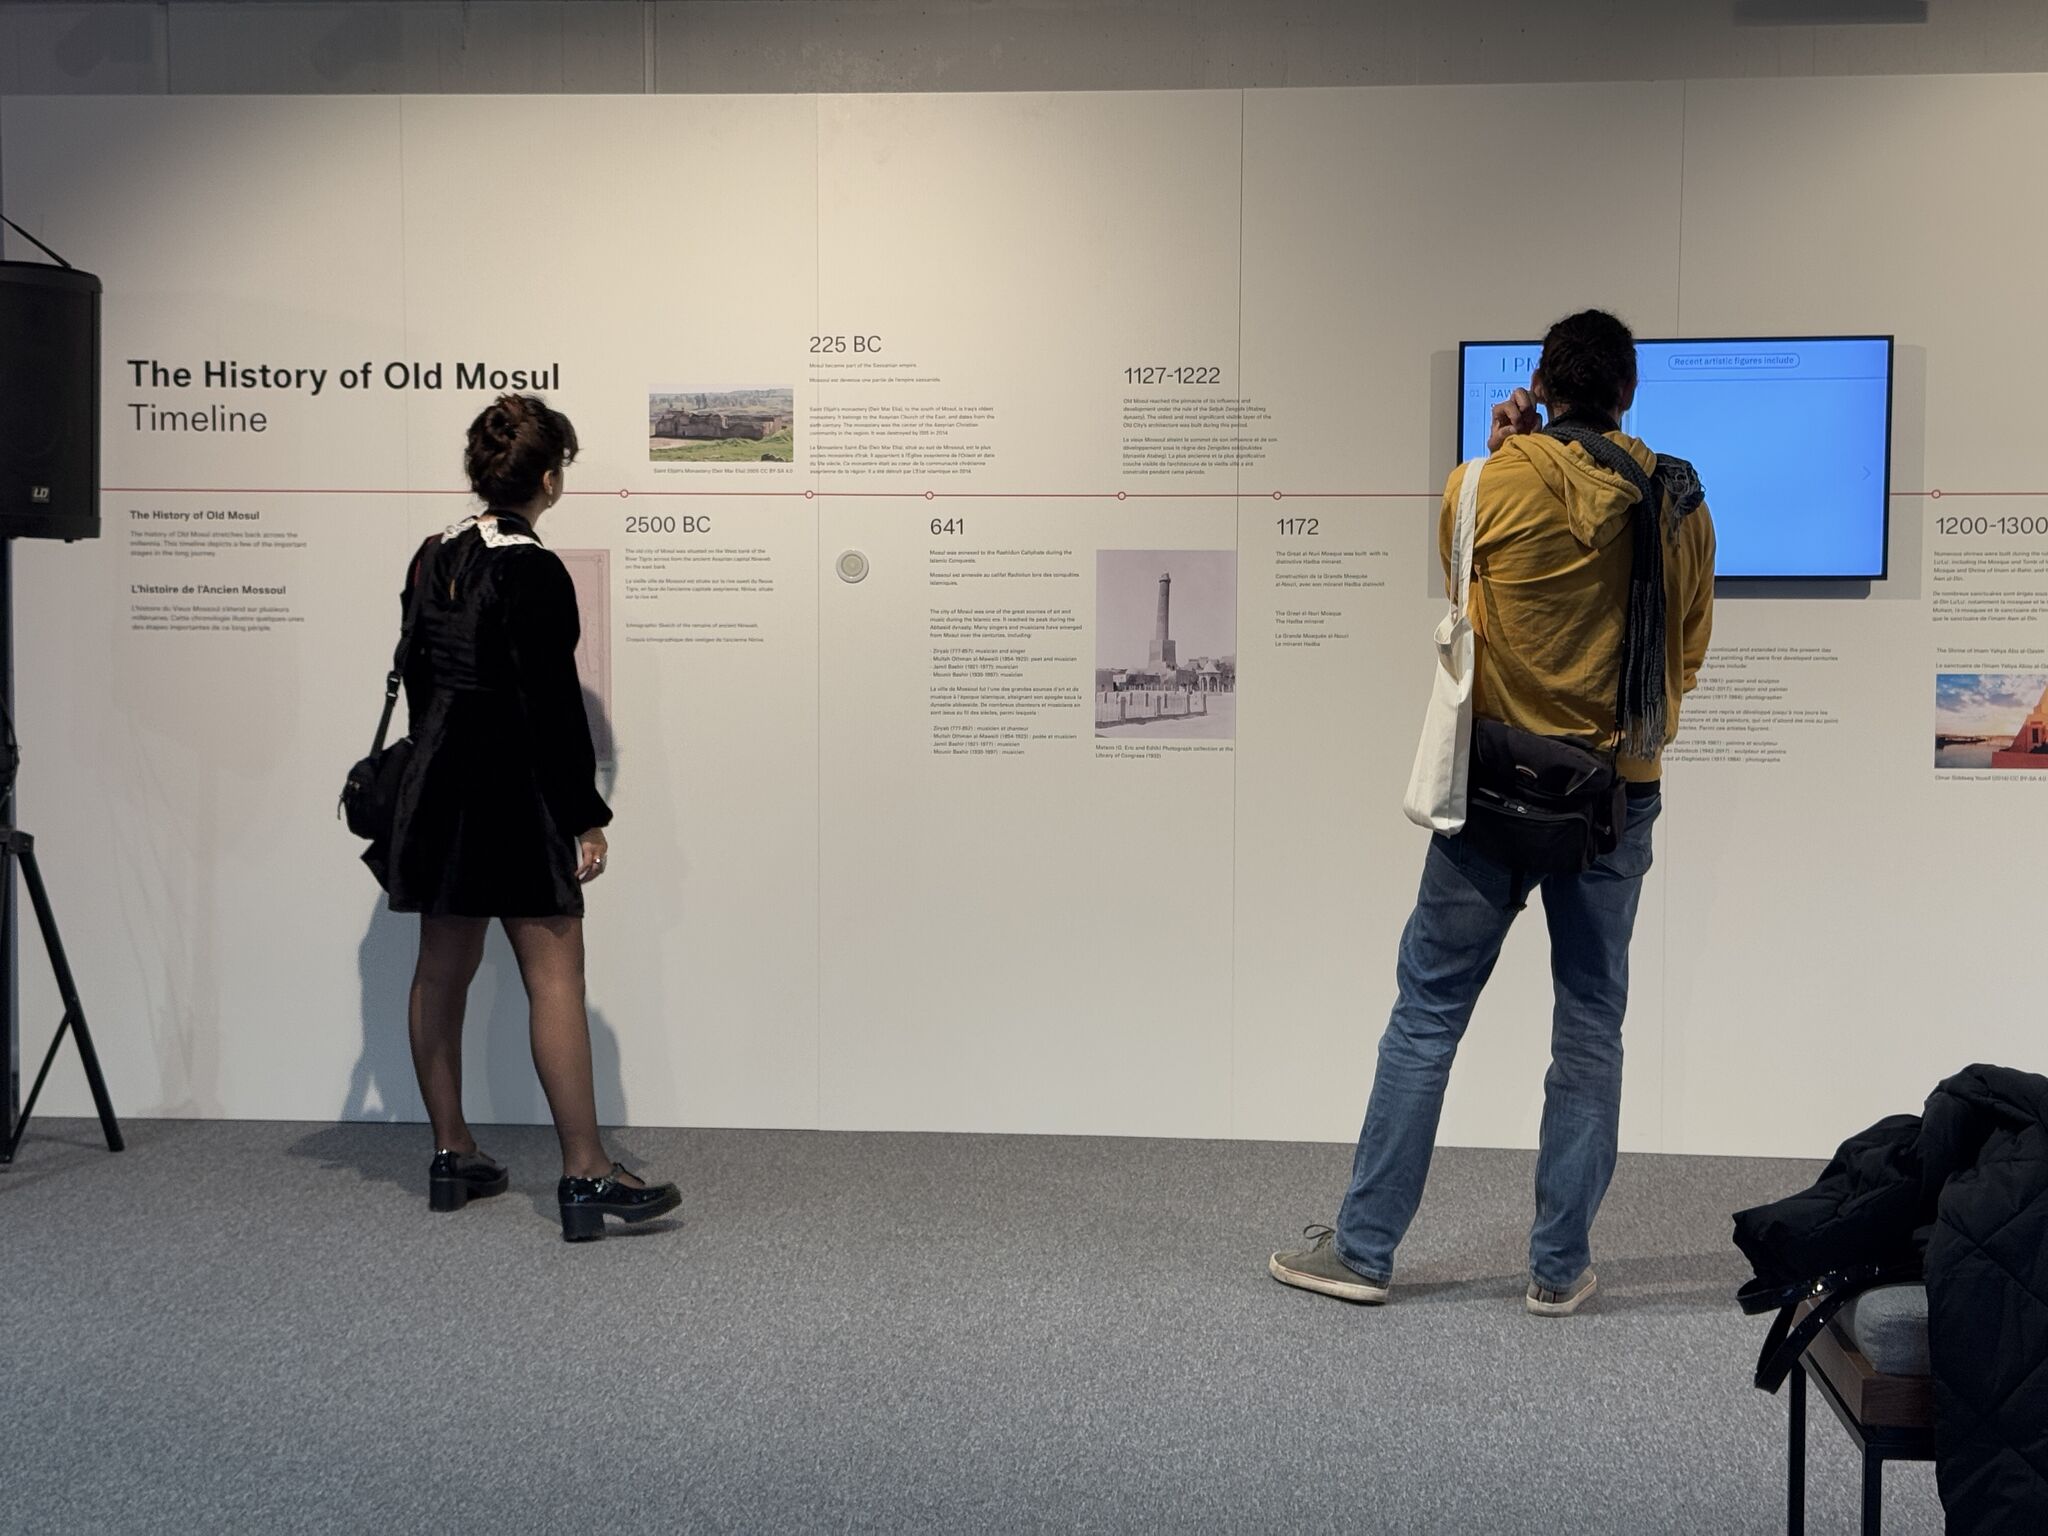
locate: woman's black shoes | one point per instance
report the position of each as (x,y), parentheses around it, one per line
(456,1178)
(586,1203)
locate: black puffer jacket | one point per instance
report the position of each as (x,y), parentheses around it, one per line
(1966,1188)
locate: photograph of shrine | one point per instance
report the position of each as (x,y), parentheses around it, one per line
(1991,720)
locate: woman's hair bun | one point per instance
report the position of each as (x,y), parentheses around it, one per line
(513,442)
(500,426)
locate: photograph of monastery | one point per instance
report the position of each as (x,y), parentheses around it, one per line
(1166,644)
(1991,720)
(721,426)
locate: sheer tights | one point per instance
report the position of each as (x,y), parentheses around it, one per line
(550,955)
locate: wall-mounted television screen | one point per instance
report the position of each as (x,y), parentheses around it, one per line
(1791,436)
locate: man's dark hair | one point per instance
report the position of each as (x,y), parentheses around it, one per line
(1589,360)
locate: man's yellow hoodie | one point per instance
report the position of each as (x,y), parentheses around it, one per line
(1550,574)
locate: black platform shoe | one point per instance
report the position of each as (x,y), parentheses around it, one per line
(456,1178)
(586,1203)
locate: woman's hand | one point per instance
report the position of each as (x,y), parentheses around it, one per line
(591,851)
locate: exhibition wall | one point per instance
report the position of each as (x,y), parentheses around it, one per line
(908,852)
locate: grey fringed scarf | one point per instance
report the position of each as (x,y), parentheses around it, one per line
(1667,495)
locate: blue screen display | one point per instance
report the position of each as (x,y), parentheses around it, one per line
(1791,437)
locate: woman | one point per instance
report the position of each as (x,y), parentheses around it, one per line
(499,814)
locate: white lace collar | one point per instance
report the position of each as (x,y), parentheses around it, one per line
(487,528)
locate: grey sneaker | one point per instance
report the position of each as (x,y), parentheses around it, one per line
(1544,1302)
(1317,1268)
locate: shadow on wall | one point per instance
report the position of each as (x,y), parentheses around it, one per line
(607,743)
(382,1086)
(506,1092)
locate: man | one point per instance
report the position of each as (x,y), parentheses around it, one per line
(1554,551)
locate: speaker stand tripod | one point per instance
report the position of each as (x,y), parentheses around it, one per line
(17,848)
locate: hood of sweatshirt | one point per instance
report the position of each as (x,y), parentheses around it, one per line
(1597,501)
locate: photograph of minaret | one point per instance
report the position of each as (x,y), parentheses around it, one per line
(1166,644)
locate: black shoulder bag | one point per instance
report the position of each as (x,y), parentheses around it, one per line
(1543,805)
(369,798)
(1549,805)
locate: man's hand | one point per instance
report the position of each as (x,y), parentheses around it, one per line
(1512,417)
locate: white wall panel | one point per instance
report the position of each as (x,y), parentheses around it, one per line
(1038,941)
(1845,918)
(176,781)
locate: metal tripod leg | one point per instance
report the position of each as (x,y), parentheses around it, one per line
(1795,1454)
(20,846)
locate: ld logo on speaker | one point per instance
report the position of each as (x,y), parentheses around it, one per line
(39,493)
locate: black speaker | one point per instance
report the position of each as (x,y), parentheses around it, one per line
(49,402)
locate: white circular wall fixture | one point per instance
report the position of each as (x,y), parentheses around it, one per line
(853,565)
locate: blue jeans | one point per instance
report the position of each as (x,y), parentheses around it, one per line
(1448,950)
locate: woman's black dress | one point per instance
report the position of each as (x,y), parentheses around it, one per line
(503,775)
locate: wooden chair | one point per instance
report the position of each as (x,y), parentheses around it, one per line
(1889,1411)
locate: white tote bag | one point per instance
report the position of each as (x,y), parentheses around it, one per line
(1436,786)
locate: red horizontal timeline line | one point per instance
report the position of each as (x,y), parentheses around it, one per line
(625,493)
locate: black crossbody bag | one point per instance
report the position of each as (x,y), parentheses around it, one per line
(1543,805)
(369,797)
(1550,805)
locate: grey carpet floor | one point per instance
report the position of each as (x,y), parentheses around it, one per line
(260,1327)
